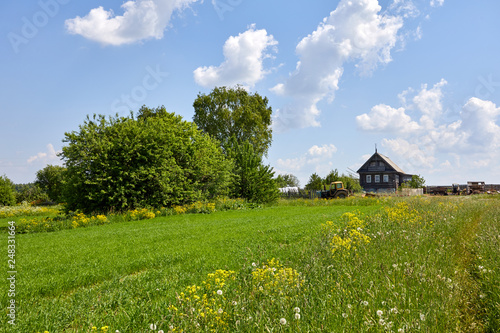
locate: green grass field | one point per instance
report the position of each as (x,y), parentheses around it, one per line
(400,265)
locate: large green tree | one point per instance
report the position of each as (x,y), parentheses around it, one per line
(252,179)
(158,159)
(7,192)
(50,179)
(315,182)
(287,180)
(233,112)
(416,181)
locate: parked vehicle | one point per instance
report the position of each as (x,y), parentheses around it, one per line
(334,190)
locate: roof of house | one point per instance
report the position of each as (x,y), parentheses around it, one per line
(385,159)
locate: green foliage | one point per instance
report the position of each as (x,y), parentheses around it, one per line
(51,180)
(315,182)
(333,176)
(287,180)
(31,193)
(7,192)
(228,112)
(352,184)
(158,159)
(416,182)
(253,180)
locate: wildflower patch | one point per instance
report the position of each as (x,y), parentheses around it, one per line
(346,235)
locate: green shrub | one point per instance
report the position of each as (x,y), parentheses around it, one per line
(156,160)
(7,192)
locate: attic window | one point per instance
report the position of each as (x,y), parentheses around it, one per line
(373,163)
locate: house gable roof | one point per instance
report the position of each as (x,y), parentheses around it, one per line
(385,159)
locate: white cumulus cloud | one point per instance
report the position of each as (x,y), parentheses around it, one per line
(50,156)
(244,55)
(437,3)
(429,141)
(317,157)
(384,118)
(142,19)
(355,30)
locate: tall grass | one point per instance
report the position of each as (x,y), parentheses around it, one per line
(380,265)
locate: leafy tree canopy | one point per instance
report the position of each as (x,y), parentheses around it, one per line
(7,192)
(227,112)
(158,159)
(50,179)
(315,182)
(416,181)
(31,193)
(252,179)
(287,180)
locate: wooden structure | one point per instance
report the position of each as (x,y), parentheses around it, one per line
(381,175)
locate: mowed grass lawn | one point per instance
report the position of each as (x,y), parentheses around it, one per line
(123,274)
(390,265)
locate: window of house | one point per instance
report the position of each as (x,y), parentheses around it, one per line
(377,178)
(368,178)
(386,178)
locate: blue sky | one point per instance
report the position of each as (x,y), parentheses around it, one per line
(418,78)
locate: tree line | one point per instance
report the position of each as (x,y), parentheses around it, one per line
(154,158)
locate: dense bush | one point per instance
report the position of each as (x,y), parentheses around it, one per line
(31,193)
(7,192)
(253,180)
(51,180)
(158,159)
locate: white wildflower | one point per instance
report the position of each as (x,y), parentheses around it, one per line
(152,326)
(422,317)
(380,313)
(219,292)
(283,321)
(297,316)
(296,309)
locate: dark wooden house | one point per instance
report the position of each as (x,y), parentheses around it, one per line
(379,174)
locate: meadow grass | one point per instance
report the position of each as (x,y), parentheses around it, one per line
(380,265)
(121,274)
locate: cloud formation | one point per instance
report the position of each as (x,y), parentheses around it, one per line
(437,3)
(319,157)
(355,30)
(142,19)
(46,157)
(474,136)
(244,55)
